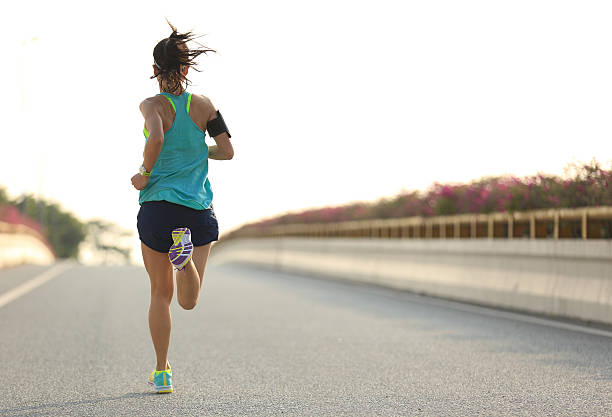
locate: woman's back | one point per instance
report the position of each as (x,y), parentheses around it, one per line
(201,110)
(180,174)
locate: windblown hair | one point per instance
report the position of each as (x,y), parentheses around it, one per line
(172,54)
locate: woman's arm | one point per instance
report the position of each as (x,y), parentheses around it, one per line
(223,150)
(150,110)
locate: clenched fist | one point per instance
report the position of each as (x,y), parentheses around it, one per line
(140,181)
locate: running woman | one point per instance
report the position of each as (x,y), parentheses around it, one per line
(176,222)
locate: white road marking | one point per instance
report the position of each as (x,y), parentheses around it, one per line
(508,315)
(35,282)
(453,305)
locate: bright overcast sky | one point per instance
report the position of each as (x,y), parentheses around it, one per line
(328,101)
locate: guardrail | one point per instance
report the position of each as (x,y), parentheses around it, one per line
(578,223)
(566,277)
(12,228)
(20,244)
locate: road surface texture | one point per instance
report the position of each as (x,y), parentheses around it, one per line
(266,343)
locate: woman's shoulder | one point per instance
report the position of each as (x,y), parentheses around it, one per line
(152,101)
(203,104)
(201,99)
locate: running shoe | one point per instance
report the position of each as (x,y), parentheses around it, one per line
(162,381)
(182,249)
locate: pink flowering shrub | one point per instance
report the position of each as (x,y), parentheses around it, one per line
(583,185)
(11,215)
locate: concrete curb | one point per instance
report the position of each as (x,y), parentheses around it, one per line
(17,249)
(566,278)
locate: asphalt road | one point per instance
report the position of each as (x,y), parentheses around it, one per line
(266,343)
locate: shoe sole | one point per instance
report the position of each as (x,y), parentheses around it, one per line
(184,262)
(177,250)
(161,390)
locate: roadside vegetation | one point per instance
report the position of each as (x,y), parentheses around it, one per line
(582,185)
(61,230)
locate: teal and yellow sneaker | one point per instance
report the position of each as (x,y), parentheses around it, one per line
(161,381)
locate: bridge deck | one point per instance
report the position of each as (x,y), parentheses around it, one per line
(266,343)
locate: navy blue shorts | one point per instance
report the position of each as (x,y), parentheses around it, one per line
(157,219)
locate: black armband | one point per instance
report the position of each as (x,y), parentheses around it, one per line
(217,126)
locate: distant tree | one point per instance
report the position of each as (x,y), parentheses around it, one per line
(3,196)
(63,230)
(107,243)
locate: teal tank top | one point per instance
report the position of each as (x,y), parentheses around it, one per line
(180,174)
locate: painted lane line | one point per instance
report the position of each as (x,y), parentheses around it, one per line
(35,282)
(539,321)
(404,295)
(507,315)
(473,308)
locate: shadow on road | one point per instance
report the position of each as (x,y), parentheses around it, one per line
(43,409)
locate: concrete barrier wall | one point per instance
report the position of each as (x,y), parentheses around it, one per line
(567,278)
(21,245)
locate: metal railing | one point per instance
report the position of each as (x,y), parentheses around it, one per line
(578,223)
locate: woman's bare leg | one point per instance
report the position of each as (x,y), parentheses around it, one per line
(159,268)
(189,280)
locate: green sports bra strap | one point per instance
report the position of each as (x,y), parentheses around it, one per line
(171,102)
(188,102)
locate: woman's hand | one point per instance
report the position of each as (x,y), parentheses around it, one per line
(140,181)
